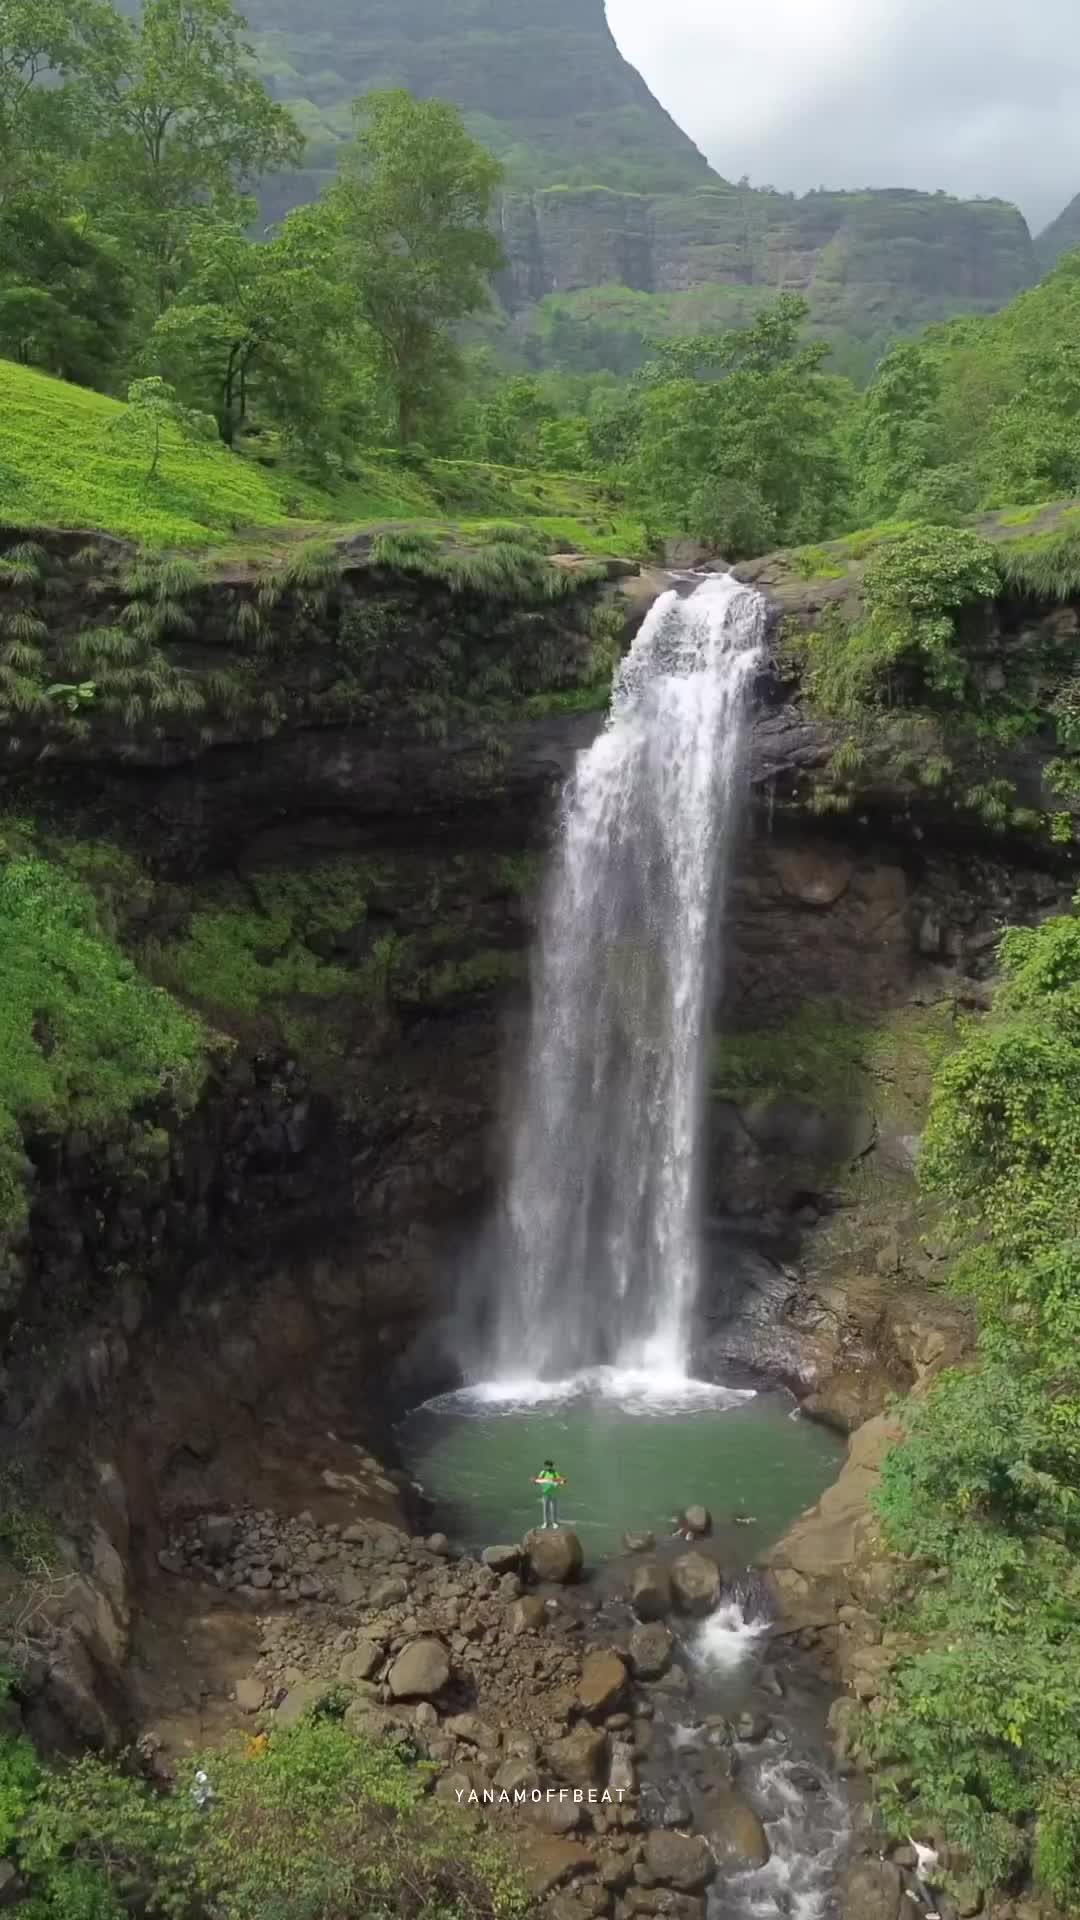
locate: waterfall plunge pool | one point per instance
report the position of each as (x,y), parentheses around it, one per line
(633,1453)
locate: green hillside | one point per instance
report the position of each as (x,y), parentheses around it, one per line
(63,464)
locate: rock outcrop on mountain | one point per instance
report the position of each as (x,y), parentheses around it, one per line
(1061,236)
(604,191)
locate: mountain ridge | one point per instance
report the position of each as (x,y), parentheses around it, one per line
(605,194)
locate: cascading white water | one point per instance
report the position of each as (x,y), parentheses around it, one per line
(599,1235)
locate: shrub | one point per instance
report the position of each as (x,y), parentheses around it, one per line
(313,1824)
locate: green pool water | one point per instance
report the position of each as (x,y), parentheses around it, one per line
(630,1461)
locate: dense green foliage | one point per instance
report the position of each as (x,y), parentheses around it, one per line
(83,1037)
(130,144)
(979,412)
(981,1731)
(313,1821)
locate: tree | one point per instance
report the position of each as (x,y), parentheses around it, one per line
(65,300)
(412,210)
(1033,448)
(267,331)
(46,47)
(898,429)
(747,412)
(151,411)
(189,124)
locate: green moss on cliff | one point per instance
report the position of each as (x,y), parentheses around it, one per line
(819,1053)
(269,941)
(84,1037)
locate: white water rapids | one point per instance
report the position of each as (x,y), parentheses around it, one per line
(599,1257)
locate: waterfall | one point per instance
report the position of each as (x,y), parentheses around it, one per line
(599,1255)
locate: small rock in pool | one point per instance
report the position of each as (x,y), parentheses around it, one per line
(639,1542)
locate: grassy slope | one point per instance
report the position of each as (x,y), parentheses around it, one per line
(61,464)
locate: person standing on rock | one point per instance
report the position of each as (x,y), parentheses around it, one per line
(549,1483)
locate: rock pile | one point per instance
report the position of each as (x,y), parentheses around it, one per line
(500,1687)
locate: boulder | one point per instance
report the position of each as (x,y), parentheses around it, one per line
(674,1906)
(579,1759)
(559,1816)
(733,1830)
(553,1554)
(219,1532)
(516,1776)
(814,877)
(603,1683)
(366,1718)
(752,1726)
(387,1593)
(695,1583)
(639,1542)
(650,1590)
(528,1615)
(300,1701)
(871,1890)
(679,1860)
(697,1520)
(650,1650)
(250,1693)
(360,1664)
(547,1862)
(474,1731)
(421,1670)
(502,1559)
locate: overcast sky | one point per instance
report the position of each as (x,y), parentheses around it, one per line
(976,96)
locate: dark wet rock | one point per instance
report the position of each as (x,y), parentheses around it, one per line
(697,1520)
(872,1890)
(650,1590)
(734,1831)
(218,1531)
(650,1650)
(695,1583)
(752,1726)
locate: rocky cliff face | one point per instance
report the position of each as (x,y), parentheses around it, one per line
(1061,236)
(545,87)
(215,1303)
(871,264)
(605,191)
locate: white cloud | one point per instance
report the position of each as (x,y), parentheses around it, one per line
(976,96)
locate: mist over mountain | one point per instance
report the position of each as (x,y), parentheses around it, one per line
(604,191)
